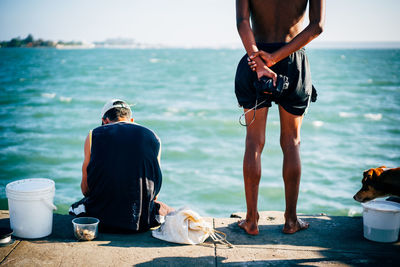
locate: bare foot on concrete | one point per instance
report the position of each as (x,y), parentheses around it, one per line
(250,228)
(293,227)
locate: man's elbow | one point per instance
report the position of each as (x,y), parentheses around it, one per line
(240,22)
(238,25)
(317,28)
(84,189)
(85,192)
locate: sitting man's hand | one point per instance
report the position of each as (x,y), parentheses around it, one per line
(164,208)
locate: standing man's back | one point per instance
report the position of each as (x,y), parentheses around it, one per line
(277,21)
(274,42)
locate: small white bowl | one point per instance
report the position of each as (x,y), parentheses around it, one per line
(85,228)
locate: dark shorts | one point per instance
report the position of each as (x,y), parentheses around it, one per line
(295,99)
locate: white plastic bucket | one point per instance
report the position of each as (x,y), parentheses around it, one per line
(381,220)
(30,202)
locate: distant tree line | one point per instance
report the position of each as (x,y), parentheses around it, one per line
(29,41)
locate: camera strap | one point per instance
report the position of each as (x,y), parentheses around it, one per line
(254,115)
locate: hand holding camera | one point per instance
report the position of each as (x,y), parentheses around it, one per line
(265,86)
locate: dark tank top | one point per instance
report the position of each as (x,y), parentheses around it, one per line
(124,176)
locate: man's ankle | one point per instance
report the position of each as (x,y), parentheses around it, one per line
(292,216)
(252,216)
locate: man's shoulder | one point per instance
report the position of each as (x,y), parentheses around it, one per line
(135,127)
(145,130)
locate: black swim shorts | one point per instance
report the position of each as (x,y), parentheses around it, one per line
(295,99)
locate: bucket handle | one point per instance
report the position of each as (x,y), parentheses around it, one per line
(49,204)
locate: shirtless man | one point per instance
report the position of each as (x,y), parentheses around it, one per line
(274,44)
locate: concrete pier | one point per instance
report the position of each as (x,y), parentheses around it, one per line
(330,240)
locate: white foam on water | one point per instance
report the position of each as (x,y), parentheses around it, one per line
(172,110)
(346,114)
(352,212)
(342,56)
(49,95)
(65,99)
(373,116)
(317,123)
(370,81)
(154,60)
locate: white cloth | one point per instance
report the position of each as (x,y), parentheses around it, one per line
(184,226)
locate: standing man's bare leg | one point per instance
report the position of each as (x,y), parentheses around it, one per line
(255,139)
(290,144)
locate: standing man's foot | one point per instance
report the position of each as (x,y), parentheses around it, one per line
(292,227)
(250,228)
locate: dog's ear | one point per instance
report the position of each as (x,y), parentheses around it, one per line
(380,170)
(371,174)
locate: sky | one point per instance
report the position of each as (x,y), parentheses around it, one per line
(201,23)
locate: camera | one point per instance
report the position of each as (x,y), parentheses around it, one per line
(265,85)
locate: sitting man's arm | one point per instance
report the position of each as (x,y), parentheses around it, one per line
(84,184)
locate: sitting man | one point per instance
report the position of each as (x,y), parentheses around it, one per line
(121,173)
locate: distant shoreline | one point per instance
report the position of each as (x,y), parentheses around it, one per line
(123,43)
(310,47)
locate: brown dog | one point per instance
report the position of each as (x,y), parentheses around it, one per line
(379,182)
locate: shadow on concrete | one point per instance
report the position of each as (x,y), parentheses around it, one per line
(350,261)
(337,232)
(212,261)
(180,261)
(144,240)
(335,239)
(62,229)
(63,233)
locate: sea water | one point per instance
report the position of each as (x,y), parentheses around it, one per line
(50,99)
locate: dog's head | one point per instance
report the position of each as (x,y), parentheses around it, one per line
(369,188)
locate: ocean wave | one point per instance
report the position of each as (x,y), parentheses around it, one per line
(65,99)
(346,114)
(353,212)
(173,109)
(317,123)
(373,116)
(49,95)
(154,60)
